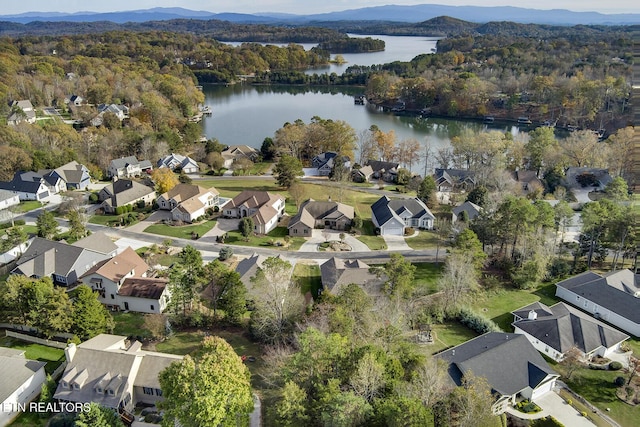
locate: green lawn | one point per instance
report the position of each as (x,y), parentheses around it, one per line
(181,231)
(427,274)
(308,277)
(30,419)
(448,334)
(424,240)
(369,238)
(181,343)
(53,356)
(27,206)
(271,240)
(130,324)
(597,387)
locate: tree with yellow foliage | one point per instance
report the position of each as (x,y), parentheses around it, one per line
(165,179)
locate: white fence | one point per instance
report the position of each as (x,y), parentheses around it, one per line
(29,338)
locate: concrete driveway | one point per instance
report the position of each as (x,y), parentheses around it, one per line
(552,404)
(396,243)
(222,226)
(311,245)
(151,219)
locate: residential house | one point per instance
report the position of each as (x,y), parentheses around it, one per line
(27,185)
(336,273)
(511,365)
(74,175)
(128,167)
(112,372)
(386,171)
(528,180)
(124,192)
(324,162)
(98,242)
(120,111)
(467,211)
(264,208)
(8,199)
(599,178)
(22,381)
(62,262)
(21,112)
(449,180)
(173,161)
(122,284)
(55,184)
(319,214)
(612,297)
(75,100)
(557,329)
(363,174)
(247,268)
(393,217)
(188,202)
(237,152)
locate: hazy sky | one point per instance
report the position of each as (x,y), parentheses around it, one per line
(298,6)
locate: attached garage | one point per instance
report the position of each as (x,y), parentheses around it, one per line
(42,195)
(392,230)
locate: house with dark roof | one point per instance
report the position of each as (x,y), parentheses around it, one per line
(124,192)
(324,162)
(21,383)
(386,171)
(613,297)
(62,262)
(392,217)
(511,365)
(122,284)
(336,273)
(128,167)
(74,175)
(448,180)
(264,208)
(113,372)
(173,161)
(320,214)
(27,185)
(555,330)
(188,202)
(363,174)
(248,267)
(467,211)
(98,242)
(528,180)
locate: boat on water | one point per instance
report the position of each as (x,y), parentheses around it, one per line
(359,100)
(206,110)
(489,119)
(523,120)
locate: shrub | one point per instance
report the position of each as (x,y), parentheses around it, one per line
(225,253)
(141,204)
(619,381)
(409,231)
(476,322)
(93,197)
(615,366)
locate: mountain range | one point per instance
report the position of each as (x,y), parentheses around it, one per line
(390,13)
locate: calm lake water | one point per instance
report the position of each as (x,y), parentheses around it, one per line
(245,114)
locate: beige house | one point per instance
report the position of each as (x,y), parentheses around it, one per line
(122,284)
(320,214)
(113,372)
(336,273)
(237,152)
(188,202)
(124,192)
(264,208)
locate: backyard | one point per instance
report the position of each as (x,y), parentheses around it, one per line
(52,356)
(181,231)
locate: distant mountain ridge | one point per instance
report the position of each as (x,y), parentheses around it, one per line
(408,14)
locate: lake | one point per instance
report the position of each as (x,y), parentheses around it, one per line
(246,114)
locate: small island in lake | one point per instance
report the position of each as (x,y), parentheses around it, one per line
(353,45)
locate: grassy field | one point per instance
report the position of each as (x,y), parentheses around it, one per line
(30,419)
(427,274)
(448,334)
(27,206)
(308,277)
(181,231)
(130,324)
(270,240)
(369,238)
(52,356)
(424,240)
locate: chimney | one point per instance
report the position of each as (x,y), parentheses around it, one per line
(70,351)
(532,315)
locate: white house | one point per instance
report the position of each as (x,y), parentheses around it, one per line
(392,217)
(613,297)
(122,284)
(188,202)
(22,381)
(264,208)
(173,161)
(128,167)
(557,329)
(27,185)
(8,199)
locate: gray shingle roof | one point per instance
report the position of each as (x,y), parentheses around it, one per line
(15,370)
(384,209)
(608,291)
(508,362)
(317,210)
(562,327)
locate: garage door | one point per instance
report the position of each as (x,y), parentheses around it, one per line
(393,231)
(42,195)
(544,388)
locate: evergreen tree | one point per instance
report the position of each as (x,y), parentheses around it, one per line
(90,316)
(47,225)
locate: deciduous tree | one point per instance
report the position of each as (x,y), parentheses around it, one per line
(287,170)
(165,179)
